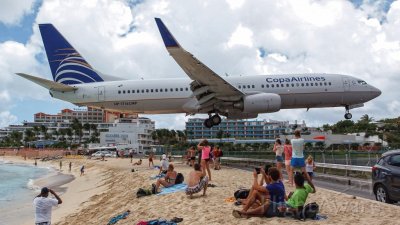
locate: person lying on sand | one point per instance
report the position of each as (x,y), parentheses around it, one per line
(197,181)
(270,209)
(168,180)
(138,163)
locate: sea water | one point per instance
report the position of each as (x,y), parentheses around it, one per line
(17,191)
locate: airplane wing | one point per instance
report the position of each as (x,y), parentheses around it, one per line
(205,80)
(48,84)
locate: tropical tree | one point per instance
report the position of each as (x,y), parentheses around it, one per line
(220,135)
(29,135)
(77,128)
(36,129)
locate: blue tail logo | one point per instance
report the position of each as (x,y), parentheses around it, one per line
(66,64)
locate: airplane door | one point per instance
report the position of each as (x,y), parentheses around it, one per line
(101,94)
(346,84)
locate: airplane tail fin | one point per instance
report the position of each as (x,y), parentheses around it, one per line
(66,64)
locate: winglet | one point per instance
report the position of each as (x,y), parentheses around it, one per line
(167,37)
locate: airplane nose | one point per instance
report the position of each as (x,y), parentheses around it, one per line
(376,92)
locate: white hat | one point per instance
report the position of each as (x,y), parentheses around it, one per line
(164,156)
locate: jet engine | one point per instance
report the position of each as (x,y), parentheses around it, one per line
(259,103)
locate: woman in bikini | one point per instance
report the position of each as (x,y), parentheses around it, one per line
(205,149)
(168,180)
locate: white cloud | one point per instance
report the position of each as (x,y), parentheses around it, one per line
(298,36)
(6,118)
(12,11)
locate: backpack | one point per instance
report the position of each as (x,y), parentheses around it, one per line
(179,178)
(241,193)
(142,192)
(309,211)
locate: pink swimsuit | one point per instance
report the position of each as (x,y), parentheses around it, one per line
(205,153)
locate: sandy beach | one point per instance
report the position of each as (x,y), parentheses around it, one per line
(109,188)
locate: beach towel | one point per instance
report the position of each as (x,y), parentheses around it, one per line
(173,189)
(121,216)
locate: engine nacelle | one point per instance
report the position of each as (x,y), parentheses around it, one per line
(260,103)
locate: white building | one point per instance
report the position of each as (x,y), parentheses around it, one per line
(132,133)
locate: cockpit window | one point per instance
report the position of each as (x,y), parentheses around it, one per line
(362,82)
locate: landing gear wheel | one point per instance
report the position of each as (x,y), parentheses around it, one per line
(208,123)
(348,116)
(216,119)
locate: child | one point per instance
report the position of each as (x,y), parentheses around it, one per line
(310,166)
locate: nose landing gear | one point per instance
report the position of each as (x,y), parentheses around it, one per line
(212,121)
(347,115)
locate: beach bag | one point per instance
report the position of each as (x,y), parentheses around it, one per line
(241,193)
(309,211)
(142,192)
(179,178)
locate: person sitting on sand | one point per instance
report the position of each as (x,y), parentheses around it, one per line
(168,180)
(197,180)
(138,163)
(43,206)
(164,164)
(296,200)
(274,189)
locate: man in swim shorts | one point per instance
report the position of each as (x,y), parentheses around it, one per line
(197,181)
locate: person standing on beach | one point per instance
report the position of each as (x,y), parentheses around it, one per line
(278,149)
(60,164)
(43,206)
(83,170)
(205,148)
(70,166)
(288,157)
(298,154)
(151,155)
(35,162)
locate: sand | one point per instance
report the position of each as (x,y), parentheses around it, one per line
(109,188)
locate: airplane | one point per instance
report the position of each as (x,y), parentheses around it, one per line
(204,92)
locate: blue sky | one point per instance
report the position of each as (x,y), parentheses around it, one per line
(120,38)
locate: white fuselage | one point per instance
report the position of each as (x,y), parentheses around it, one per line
(162,96)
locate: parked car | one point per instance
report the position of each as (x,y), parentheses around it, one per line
(386,177)
(105,153)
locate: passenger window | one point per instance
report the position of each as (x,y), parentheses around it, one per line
(287,85)
(161,90)
(292,85)
(142,91)
(272,85)
(306,84)
(248,86)
(181,89)
(395,160)
(156,90)
(330,83)
(316,84)
(244,86)
(239,87)
(267,85)
(325,83)
(297,84)
(311,84)
(137,91)
(151,90)
(282,85)
(171,89)
(262,85)
(123,91)
(129,91)
(119,92)
(133,91)
(253,86)
(187,89)
(166,89)
(302,84)
(176,89)
(320,84)
(147,90)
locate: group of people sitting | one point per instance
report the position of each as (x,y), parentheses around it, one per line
(267,196)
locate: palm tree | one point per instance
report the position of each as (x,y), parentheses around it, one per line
(69,133)
(36,129)
(29,135)
(56,133)
(87,127)
(43,129)
(77,127)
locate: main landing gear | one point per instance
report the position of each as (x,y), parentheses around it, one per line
(212,121)
(347,115)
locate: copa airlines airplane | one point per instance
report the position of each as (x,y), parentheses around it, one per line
(206,92)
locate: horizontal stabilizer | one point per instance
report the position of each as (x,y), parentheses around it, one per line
(51,85)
